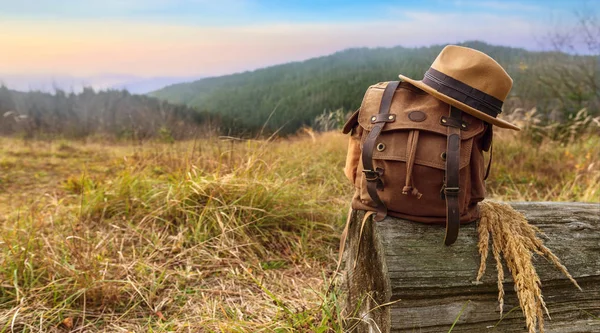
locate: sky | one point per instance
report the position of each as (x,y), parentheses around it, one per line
(114,41)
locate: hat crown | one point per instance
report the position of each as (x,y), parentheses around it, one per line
(475,69)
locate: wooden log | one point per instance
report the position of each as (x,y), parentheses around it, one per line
(399,277)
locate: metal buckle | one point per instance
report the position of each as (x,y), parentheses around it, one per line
(371,175)
(451,190)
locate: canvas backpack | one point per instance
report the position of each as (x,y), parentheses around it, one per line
(416,157)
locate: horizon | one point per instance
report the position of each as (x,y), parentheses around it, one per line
(115,42)
(120,81)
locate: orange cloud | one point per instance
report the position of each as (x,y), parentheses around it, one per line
(145,49)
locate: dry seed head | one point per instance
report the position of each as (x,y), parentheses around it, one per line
(516,240)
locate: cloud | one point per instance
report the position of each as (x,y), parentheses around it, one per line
(499,5)
(161,9)
(88,47)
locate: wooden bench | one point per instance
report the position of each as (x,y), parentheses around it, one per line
(404,279)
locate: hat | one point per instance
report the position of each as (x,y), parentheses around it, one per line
(469,80)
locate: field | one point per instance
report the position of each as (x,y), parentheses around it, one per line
(211,235)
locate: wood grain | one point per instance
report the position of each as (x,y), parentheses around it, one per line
(399,276)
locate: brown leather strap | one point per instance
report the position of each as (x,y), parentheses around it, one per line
(373,175)
(451,188)
(448,121)
(386,118)
(489,166)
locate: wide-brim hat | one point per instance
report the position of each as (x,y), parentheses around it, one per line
(469,80)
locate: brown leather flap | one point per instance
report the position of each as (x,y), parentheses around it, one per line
(430,149)
(351,122)
(407,100)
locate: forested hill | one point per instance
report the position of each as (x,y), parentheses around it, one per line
(114,114)
(296,93)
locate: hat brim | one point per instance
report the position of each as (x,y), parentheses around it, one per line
(464,107)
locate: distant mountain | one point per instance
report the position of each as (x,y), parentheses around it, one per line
(50,83)
(292,95)
(146,85)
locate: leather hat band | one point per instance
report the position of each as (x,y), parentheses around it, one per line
(464,93)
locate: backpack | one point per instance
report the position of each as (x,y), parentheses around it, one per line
(413,156)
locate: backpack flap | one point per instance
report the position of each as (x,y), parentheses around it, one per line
(430,150)
(416,111)
(429,117)
(351,122)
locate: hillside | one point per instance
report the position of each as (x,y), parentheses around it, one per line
(112,113)
(298,92)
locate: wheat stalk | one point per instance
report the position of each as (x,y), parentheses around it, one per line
(516,241)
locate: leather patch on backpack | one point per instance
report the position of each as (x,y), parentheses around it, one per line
(417,116)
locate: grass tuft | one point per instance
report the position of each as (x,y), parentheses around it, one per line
(212,235)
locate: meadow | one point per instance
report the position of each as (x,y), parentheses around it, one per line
(208,235)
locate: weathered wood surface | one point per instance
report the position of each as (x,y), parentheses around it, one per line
(406,264)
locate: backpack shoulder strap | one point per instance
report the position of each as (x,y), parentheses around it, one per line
(372,175)
(451,187)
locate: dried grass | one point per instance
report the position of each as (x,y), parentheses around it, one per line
(209,235)
(516,241)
